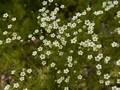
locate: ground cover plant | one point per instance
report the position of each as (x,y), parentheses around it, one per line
(60,45)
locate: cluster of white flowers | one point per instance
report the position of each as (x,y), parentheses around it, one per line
(108,5)
(98,12)
(54,43)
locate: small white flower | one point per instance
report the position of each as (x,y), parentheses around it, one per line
(74,40)
(80,77)
(114,88)
(42,56)
(118,62)
(80,52)
(94,38)
(13,72)
(107,83)
(106,76)
(52,64)
(66,88)
(18,37)
(70,64)
(5,32)
(14,19)
(66,71)
(98,72)
(5,15)
(30,36)
(9,26)
(40,48)
(21,78)
(99,66)
(16,85)
(69,59)
(33,38)
(29,70)
(89,57)
(107,59)
(22,74)
(43,62)
(101,81)
(34,53)
(48,53)
(62,6)
(8,40)
(7,87)
(36,31)
(118,81)
(44,3)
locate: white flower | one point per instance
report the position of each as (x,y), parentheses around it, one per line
(18,37)
(107,83)
(40,48)
(70,64)
(80,77)
(44,3)
(107,59)
(101,81)
(8,40)
(118,81)
(66,88)
(89,57)
(106,76)
(66,71)
(7,87)
(30,36)
(9,26)
(118,62)
(5,15)
(5,32)
(80,52)
(21,78)
(34,53)
(115,2)
(114,44)
(94,38)
(74,40)
(69,59)
(22,74)
(43,62)
(48,53)
(114,88)
(42,56)
(36,31)
(14,19)
(16,85)
(98,72)
(29,70)
(41,37)
(60,53)
(52,64)
(99,66)
(62,6)
(13,72)
(33,38)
